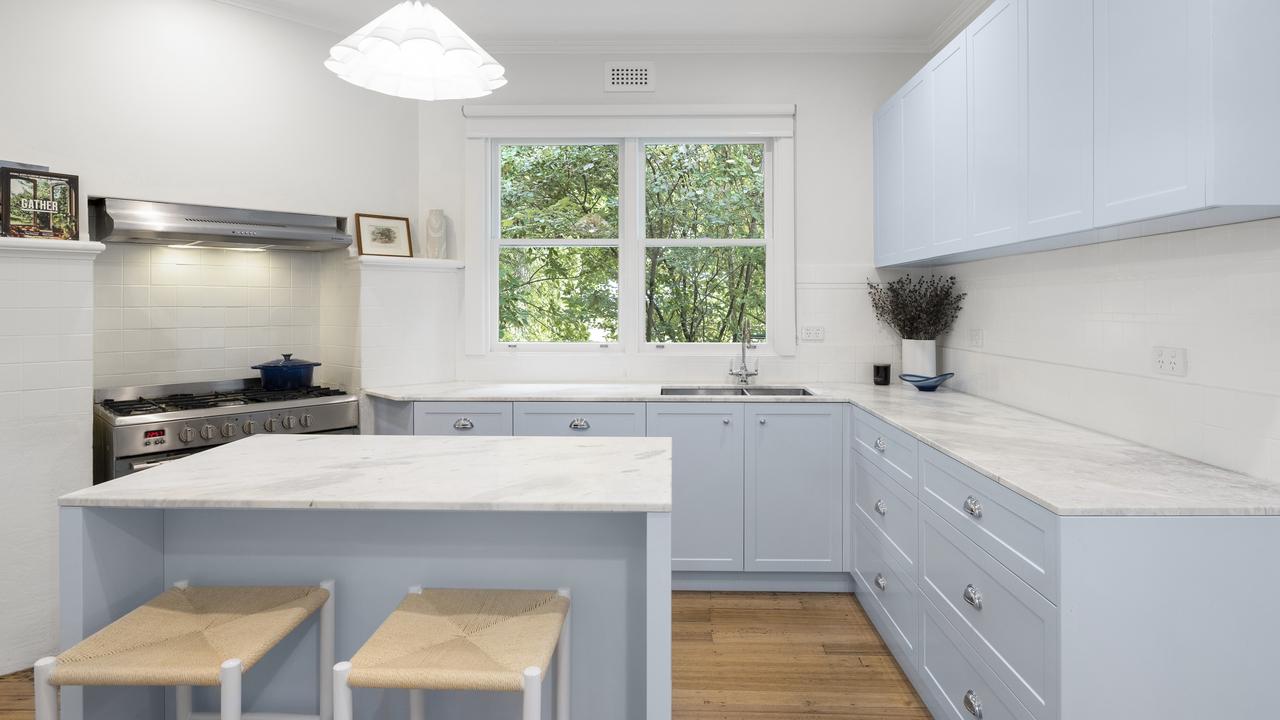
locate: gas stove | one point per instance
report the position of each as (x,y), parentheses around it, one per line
(136,428)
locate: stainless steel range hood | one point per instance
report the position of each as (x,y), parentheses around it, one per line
(158,223)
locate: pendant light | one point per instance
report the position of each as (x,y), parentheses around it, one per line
(414,51)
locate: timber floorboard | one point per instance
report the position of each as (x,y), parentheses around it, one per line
(754,656)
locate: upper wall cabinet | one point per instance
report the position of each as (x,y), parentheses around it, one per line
(1083,121)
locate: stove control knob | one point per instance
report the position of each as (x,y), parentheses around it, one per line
(187,434)
(306,420)
(249,427)
(289,422)
(228,429)
(269,425)
(207,432)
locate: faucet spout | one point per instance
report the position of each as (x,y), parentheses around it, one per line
(742,370)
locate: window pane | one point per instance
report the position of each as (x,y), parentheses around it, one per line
(704,191)
(703,294)
(559,191)
(558,294)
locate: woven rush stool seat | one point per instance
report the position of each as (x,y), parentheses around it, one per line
(183,635)
(191,636)
(485,640)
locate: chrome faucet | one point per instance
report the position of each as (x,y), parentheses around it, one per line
(742,370)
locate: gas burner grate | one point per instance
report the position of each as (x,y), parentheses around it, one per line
(211,400)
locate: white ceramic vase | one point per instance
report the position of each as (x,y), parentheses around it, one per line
(435,234)
(920,357)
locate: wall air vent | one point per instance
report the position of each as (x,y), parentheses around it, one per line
(628,77)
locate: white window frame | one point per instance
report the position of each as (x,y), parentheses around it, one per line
(631,128)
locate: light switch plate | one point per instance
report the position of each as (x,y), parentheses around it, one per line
(1169,361)
(813,333)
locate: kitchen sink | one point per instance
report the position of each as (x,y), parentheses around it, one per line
(731,391)
(738,391)
(775,390)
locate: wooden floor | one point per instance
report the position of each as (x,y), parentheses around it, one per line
(756,656)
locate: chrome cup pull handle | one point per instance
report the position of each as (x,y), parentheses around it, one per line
(973,596)
(973,506)
(973,704)
(881,508)
(881,445)
(881,582)
(579,424)
(463,424)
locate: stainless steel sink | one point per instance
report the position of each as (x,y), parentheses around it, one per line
(763,390)
(738,391)
(703,391)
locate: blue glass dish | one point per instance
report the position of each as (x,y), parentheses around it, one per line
(926,384)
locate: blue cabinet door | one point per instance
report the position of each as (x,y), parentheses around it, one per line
(706,482)
(794,487)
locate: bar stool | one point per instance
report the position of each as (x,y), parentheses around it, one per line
(488,640)
(189,636)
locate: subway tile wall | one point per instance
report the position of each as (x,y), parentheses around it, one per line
(1069,334)
(46,381)
(169,315)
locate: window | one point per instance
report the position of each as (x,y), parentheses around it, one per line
(558,244)
(711,199)
(608,229)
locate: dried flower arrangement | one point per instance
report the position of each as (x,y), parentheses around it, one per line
(917,308)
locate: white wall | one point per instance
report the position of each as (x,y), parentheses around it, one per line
(46,380)
(835,97)
(177,100)
(1069,334)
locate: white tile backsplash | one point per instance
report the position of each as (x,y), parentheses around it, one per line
(1069,334)
(167,315)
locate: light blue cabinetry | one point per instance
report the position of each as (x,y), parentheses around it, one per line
(794,494)
(706,482)
(570,419)
(1082,121)
(472,419)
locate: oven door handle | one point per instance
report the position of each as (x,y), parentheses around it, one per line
(136,466)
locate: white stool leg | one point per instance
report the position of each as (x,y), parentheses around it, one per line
(341,692)
(229,676)
(46,692)
(532,694)
(182,700)
(562,665)
(326,654)
(417,705)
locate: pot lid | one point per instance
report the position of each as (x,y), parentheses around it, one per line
(287,360)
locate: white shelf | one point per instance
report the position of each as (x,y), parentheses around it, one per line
(36,247)
(406,263)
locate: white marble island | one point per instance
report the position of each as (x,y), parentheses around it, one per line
(378,514)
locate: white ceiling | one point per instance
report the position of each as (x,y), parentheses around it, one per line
(668,25)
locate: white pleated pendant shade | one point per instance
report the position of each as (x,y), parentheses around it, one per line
(414,51)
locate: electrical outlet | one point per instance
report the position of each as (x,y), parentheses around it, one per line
(1169,361)
(813,333)
(975,337)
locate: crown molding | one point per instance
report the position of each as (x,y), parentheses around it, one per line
(957,21)
(72,250)
(702,45)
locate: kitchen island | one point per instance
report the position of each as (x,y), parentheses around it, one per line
(378,515)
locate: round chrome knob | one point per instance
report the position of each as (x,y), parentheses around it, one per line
(228,429)
(249,427)
(881,507)
(289,422)
(207,432)
(881,445)
(724,420)
(305,420)
(763,420)
(269,425)
(187,434)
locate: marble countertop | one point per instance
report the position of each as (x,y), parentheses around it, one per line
(1067,469)
(381,472)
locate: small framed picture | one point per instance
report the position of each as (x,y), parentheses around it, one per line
(383,235)
(38,204)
